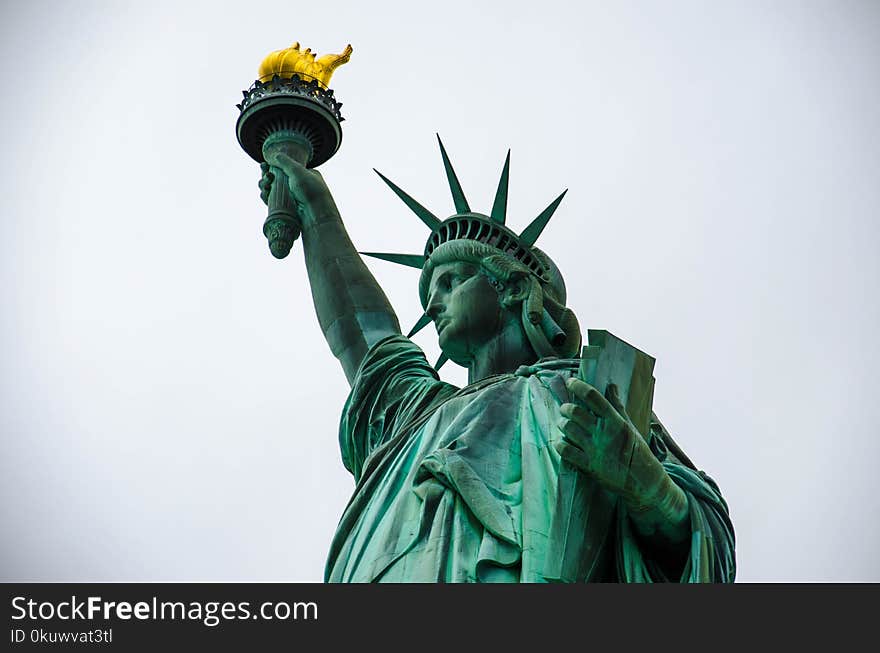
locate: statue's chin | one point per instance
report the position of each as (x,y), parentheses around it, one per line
(453,353)
(463,362)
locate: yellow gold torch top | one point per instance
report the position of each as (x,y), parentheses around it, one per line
(292,60)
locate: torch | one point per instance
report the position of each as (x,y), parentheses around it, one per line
(290,107)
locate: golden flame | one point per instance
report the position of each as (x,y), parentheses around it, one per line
(292,60)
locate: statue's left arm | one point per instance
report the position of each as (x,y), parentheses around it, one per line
(601,441)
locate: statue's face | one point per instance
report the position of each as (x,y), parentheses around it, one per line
(466,310)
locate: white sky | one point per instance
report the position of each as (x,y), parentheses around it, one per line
(168,406)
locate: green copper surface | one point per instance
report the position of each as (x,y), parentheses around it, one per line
(423,321)
(461,204)
(282,226)
(530,234)
(410,260)
(499,206)
(550,465)
(424,214)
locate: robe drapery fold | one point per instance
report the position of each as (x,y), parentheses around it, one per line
(465,485)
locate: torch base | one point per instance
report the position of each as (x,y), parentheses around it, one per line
(301,115)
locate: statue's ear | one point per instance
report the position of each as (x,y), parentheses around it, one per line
(516,290)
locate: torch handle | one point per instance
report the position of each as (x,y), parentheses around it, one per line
(282,226)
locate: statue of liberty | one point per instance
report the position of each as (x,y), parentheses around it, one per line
(528,473)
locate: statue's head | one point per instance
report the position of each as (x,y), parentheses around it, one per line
(472,290)
(479,277)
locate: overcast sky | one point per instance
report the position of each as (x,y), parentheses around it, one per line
(168,406)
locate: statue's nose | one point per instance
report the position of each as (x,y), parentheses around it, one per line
(435,308)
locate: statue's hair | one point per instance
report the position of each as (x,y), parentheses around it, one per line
(552,329)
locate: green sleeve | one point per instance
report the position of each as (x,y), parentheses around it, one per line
(394,386)
(711,554)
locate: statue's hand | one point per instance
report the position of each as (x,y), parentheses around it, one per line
(307,186)
(600,440)
(265,182)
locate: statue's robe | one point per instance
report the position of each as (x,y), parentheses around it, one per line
(465,485)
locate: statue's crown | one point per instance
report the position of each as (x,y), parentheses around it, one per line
(293,61)
(465,225)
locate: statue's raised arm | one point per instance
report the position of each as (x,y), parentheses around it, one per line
(352,308)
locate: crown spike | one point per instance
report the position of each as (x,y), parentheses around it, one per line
(530,234)
(461,204)
(440,361)
(424,214)
(499,207)
(424,321)
(410,260)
